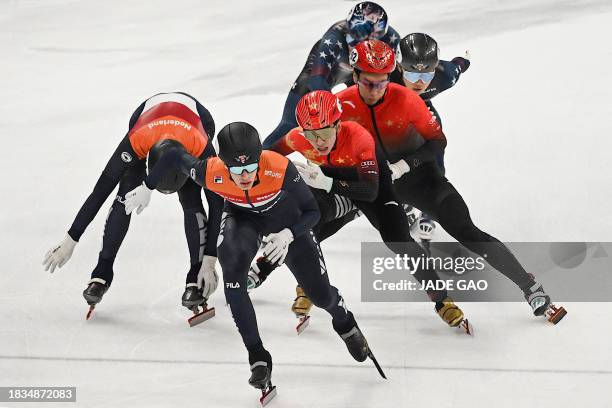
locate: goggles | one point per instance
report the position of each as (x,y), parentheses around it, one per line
(375,86)
(249,168)
(416,76)
(324,134)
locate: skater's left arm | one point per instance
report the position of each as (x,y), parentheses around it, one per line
(215,210)
(295,186)
(429,128)
(449,73)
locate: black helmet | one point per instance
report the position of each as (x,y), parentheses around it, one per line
(367,20)
(173,180)
(239,144)
(419,53)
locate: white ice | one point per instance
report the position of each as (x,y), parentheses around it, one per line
(528,129)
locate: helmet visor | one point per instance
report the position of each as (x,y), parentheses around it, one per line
(324,134)
(249,168)
(373,85)
(416,76)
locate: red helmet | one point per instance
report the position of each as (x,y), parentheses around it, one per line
(318,109)
(373,56)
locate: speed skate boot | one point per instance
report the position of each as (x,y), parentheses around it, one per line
(354,339)
(452,314)
(96,288)
(356,342)
(192,296)
(193,299)
(301,307)
(541,304)
(261,373)
(301,304)
(259,272)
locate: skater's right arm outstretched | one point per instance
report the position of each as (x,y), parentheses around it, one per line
(123,158)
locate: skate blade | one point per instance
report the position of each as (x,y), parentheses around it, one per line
(555,314)
(466,327)
(90,312)
(268,395)
(201,317)
(378,367)
(303,323)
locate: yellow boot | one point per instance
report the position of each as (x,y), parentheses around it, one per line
(302,304)
(449,312)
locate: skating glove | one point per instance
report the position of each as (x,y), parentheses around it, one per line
(314,177)
(137,199)
(59,254)
(277,246)
(207,277)
(398,169)
(463,62)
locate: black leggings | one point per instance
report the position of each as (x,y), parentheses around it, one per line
(428,190)
(117,224)
(239,241)
(388,217)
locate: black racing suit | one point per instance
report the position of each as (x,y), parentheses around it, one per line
(327,65)
(242,229)
(124,168)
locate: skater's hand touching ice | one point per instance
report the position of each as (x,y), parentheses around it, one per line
(137,199)
(277,246)
(313,176)
(207,276)
(59,254)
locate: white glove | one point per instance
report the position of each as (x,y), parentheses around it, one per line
(207,276)
(398,169)
(59,254)
(277,246)
(313,176)
(137,199)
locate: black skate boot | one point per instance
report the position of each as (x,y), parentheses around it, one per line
(356,342)
(194,300)
(192,297)
(259,272)
(261,373)
(354,339)
(96,288)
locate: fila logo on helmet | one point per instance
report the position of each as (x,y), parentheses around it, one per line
(126,157)
(242,158)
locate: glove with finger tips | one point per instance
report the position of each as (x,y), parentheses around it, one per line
(277,246)
(59,254)
(314,177)
(208,280)
(137,199)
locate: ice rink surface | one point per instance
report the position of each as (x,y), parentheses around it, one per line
(528,129)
